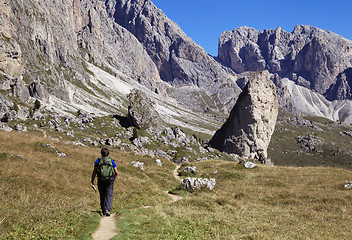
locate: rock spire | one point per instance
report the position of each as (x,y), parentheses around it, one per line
(248,130)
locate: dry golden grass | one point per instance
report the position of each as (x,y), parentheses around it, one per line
(44,196)
(261,203)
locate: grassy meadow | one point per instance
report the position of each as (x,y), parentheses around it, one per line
(45,196)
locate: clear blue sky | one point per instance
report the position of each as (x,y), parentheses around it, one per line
(205,20)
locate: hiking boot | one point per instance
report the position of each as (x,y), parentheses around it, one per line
(107,213)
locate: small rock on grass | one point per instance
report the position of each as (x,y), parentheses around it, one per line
(348,185)
(158,161)
(138,164)
(250,165)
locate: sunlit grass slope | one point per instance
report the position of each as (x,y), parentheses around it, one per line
(261,203)
(44,196)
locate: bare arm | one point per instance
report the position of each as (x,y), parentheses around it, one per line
(93,176)
(116,172)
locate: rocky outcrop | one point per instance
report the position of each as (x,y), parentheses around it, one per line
(247,132)
(310,143)
(343,87)
(142,113)
(198,183)
(309,56)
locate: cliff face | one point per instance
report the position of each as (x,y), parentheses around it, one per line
(53,50)
(309,56)
(343,87)
(49,43)
(179,60)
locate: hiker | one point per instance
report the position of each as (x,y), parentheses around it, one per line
(106,170)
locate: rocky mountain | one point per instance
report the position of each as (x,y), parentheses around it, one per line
(88,55)
(309,57)
(48,51)
(179,60)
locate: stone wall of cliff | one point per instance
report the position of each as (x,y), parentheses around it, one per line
(309,56)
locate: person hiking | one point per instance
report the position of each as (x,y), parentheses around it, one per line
(106,170)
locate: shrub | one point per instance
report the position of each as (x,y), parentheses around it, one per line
(37,104)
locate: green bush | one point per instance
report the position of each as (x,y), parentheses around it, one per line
(37,104)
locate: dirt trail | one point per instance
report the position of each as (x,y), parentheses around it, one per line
(107,227)
(174,197)
(175,173)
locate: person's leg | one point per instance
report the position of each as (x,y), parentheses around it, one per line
(102,193)
(109,195)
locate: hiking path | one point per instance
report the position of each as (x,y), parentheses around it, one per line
(107,226)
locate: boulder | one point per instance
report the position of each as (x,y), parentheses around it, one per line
(201,159)
(191,170)
(19,127)
(61,154)
(85,118)
(138,165)
(181,160)
(4,127)
(141,111)
(249,165)
(248,130)
(310,143)
(141,141)
(198,183)
(202,150)
(114,142)
(9,116)
(158,162)
(162,154)
(348,185)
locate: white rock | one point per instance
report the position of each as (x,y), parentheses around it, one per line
(250,165)
(61,154)
(6,129)
(138,164)
(158,161)
(202,150)
(197,183)
(190,170)
(348,185)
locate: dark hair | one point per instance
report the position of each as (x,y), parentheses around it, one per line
(105,152)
